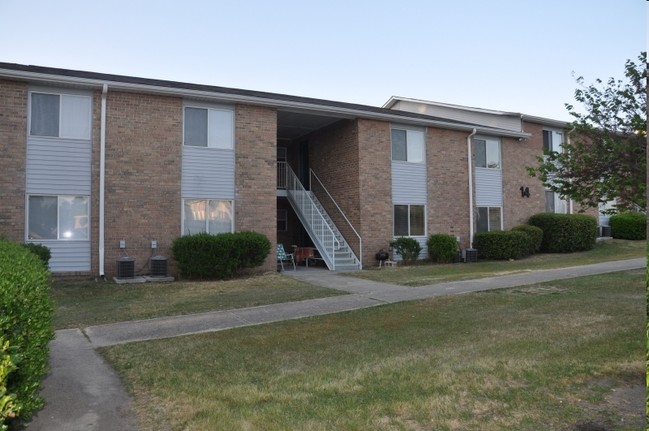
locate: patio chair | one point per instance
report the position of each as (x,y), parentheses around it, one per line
(283,256)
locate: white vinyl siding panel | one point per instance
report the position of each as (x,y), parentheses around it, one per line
(409,183)
(58,167)
(489,187)
(68,256)
(207,173)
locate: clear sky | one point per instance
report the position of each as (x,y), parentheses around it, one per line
(510,55)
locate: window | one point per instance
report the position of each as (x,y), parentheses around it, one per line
(58,217)
(282,222)
(489,219)
(552,141)
(207,215)
(408,145)
(209,127)
(554,203)
(487,153)
(409,220)
(60,115)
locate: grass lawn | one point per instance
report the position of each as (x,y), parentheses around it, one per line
(421,275)
(85,303)
(565,355)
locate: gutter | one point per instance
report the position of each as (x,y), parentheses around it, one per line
(102,181)
(469,157)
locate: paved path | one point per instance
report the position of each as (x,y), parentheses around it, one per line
(84,393)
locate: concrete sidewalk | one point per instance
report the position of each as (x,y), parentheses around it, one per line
(84,393)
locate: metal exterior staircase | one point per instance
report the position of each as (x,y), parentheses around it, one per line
(332,246)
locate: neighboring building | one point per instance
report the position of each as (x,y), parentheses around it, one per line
(90,160)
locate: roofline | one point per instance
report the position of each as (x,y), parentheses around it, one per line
(394,99)
(232,95)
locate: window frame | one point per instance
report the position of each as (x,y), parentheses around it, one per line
(207,220)
(489,221)
(59,237)
(282,217)
(409,132)
(549,144)
(487,140)
(87,127)
(410,219)
(211,143)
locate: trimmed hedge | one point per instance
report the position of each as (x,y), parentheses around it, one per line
(442,247)
(566,233)
(534,235)
(407,248)
(41,251)
(501,245)
(205,256)
(26,325)
(629,226)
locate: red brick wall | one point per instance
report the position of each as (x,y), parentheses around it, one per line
(448,186)
(375,187)
(13,143)
(517,155)
(256,173)
(143,173)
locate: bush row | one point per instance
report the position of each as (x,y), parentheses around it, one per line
(206,256)
(629,226)
(511,244)
(566,233)
(25,331)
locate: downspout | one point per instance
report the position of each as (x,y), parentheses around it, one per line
(102,175)
(469,157)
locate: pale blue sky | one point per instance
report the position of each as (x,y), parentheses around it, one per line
(511,55)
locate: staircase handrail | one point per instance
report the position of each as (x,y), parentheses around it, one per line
(360,240)
(299,187)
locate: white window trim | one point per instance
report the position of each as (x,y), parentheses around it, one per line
(57,92)
(394,235)
(406,129)
(182,213)
(500,151)
(224,108)
(58,219)
(502,217)
(552,143)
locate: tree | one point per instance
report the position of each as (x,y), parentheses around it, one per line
(605,156)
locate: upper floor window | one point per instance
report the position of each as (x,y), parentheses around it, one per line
(487,153)
(209,127)
(408,145)
(60,115)
(552,140)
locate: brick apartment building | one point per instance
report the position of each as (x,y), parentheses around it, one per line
(93,162)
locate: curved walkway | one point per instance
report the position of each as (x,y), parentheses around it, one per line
(84,393)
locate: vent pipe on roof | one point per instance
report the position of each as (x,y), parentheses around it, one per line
(469,157)
(102,174)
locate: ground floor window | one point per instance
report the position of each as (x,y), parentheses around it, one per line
(58,217)
(554,203)
(489,219)
(409,220)
(207,215)
(282,220)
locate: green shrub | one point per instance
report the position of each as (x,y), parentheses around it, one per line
(8,408)
(442,247)
(205,256)
(407,248)
(26,324)
(566,233)
(629,226)
(501,244)
(534,236)
(41,251)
